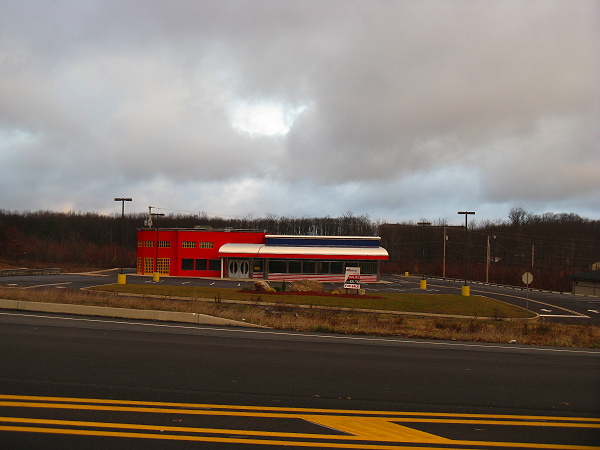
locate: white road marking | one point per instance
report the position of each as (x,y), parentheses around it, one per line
(42,285)
(320,336)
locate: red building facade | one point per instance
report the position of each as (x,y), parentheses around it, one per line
(248,254)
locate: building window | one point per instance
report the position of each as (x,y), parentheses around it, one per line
(188,244)
(337,267)
(148,265)
(214,264)
(187,264)
(205,244)
(148,243)
(139,266)
(278,266)
(164,244)
(201,264)
(322,267)
(368,267)
(295,266)
(140,243)
(308,267)
(163,265)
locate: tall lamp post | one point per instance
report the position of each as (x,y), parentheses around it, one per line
(466,291)
(122,278)
(423,282)
(155,275)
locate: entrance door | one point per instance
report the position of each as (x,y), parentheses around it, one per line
(238,268)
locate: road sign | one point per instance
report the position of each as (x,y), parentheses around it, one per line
(527,278)
(352,278)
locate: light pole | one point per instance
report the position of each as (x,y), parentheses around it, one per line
(465,288)
(487,259)
(423,283)
(121,278)
(155,275)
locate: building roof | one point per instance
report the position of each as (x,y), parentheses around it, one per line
(594,275)
(276,251)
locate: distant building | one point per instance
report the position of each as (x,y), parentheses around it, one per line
(252,254)
(587,283)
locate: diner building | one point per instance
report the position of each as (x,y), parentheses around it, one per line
(253,254)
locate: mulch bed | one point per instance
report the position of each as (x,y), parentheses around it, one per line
(308,293)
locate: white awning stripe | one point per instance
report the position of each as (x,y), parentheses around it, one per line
(272,251)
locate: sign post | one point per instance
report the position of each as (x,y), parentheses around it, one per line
(352,278)
(527,279)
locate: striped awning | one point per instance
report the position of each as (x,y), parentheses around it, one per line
(302,252)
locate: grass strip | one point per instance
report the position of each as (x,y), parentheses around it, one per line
(472,306)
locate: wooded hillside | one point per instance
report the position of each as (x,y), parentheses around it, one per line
(551,246)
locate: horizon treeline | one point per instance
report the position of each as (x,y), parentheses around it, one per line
(550,246)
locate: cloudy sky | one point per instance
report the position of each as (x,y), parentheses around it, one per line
(398,109)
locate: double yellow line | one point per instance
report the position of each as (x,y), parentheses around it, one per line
(363,429)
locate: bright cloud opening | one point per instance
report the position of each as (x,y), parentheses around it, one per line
(264,119)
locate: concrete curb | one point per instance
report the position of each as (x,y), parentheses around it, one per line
(122,313)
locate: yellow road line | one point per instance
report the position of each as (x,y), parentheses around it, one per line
(360,426)
(217,409)
(454,445)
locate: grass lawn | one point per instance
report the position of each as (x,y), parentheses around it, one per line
(474,306)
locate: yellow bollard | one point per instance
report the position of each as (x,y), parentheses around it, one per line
(423,284)
(466,291)
(405,274)
(121,278)
(156,277)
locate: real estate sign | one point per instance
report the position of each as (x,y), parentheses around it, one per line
(352,278)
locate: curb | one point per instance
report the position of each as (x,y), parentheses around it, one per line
(122,313)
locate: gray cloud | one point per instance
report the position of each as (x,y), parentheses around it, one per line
(404,109)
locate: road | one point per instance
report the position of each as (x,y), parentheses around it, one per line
(82,382)
(551,306)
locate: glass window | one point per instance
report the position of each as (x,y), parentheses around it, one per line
(258,265)
(164,244)
(188,244)
(295,266)
(278,266)
(201,264)
(321,266)
(368,267)
(214,264)
(308,267)
(205,244)
(187,264)
(337,267)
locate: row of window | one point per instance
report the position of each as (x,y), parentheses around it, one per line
(200,264)
(184,244)
(320,267)
(146,265)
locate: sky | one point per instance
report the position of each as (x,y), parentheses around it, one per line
(401,110)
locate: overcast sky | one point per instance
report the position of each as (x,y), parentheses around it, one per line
(399,109)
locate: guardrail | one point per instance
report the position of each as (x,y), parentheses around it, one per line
(21,272)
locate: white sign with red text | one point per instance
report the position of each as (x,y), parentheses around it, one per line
(352,278)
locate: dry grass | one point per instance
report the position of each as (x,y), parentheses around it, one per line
(334,320)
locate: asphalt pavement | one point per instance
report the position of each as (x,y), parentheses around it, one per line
(552,306)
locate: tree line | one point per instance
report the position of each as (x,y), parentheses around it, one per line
(550,246)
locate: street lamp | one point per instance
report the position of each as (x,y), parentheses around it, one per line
(465,288)
(423,283)
(121,278)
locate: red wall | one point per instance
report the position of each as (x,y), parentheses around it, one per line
(176,252)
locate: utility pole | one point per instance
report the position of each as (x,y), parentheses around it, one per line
(423,283)
(445,238)
(121,278)
(466,289)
